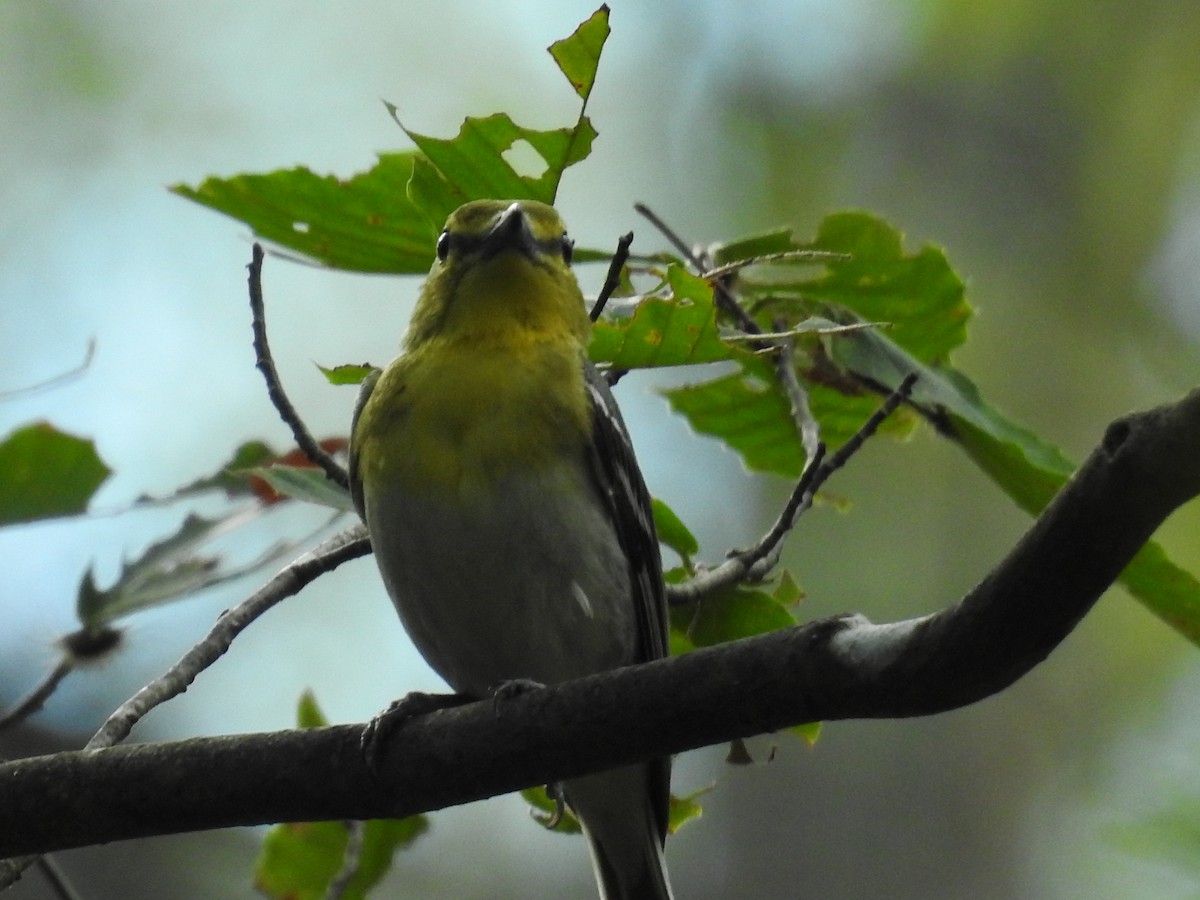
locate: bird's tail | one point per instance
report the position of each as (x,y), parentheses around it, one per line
(617,812)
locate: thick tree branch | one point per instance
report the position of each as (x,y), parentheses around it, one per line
(1147,465)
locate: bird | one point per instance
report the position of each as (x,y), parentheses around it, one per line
(509,519)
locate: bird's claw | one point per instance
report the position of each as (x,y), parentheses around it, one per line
(378,731)
(554,790)
(514,687)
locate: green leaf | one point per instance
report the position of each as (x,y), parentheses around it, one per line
(1029,470)
(778,240)
(228,477)
(305,483)
(679,329)
(299,860)
(685,809)
(47,473)
(436,197)
(681,810)
(308,712)
(387,219)
(347,374)
(578,56)
(919,295)
(787,592)
(472,164)
(730,614)
(366,223)
(546,813)
(672,531)
(748,411)
(808,732)
(1168,591)
(169,570)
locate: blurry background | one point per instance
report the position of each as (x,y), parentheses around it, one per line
(1053,149)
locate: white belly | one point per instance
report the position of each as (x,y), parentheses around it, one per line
(517,583)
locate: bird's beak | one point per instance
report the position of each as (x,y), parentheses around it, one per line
(511,232)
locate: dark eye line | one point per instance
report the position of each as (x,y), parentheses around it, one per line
(463,244)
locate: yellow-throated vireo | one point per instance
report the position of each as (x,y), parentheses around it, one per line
(508,516)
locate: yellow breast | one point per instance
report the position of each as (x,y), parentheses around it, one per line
(446,418)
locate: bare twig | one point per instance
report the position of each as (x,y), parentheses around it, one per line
(351,859)
(902,392)
(807,428)
(756,563)
(55,877)
(33,701)
(266,364)
(347,545)
(613,279)
(800,330)
(802,256)
(722,295)
(55,380)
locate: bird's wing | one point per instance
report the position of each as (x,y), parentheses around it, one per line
(364,394)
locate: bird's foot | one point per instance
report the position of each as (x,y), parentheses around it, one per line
(514,687)
(379,730)
(554,790)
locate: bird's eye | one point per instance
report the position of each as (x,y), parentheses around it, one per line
(443,245)
(568,248)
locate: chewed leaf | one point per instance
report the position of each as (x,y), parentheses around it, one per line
(347,373)
(365,223)
(306,483)
(169,570)
(387,218)
(675,330)
(472,164)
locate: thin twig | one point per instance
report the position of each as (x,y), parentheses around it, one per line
(800,330)
(806,425)
(351,860)
(802,256)
(266,364)
(721,293)
(756,563)
(14,867)
(613,279)
(902,392)
(57,879)
(33,701)
(55,380)
(672,238)
(328,555)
